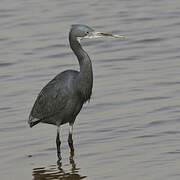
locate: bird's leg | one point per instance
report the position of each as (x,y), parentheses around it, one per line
(58,143)
(70,140)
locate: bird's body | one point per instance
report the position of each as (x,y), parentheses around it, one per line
(58,102)
(61,100)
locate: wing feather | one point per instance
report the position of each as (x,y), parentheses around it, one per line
(52,98)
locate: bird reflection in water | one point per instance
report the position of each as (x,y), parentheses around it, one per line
(57,172)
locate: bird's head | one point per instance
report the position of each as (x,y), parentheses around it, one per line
(85,32)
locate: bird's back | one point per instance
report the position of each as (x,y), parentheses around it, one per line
(58,102)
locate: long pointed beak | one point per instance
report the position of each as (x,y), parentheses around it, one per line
(101,34)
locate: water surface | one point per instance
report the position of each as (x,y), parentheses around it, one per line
(130,129)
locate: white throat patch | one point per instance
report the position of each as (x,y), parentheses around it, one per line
(79,39)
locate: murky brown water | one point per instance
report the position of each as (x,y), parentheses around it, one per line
(131,127)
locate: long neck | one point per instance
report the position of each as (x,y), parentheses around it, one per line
(85,77)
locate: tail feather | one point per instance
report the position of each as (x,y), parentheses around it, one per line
(33,121)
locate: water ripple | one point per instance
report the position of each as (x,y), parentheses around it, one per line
(130,129)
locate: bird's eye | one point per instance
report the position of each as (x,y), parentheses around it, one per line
(87,32)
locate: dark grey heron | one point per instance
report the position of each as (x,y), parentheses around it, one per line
(61,100)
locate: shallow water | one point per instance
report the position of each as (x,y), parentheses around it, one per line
(130,129)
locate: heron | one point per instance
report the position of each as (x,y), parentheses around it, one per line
(60,101)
